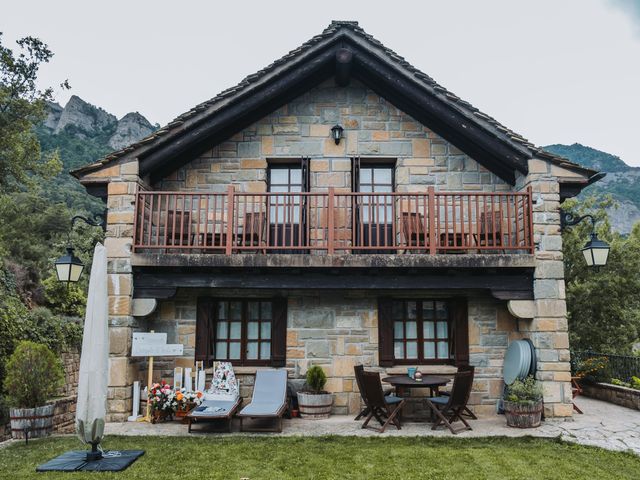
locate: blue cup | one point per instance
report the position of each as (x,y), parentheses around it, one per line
(411,371)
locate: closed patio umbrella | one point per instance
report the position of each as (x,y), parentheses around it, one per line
(93,378)
(93,381)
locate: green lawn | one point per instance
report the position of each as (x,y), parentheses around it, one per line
(234,457)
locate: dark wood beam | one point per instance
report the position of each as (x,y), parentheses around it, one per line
(503,286)
(440,117)
(344,62)
(240,114)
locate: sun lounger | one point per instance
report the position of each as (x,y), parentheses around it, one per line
(221,401)
(269,400)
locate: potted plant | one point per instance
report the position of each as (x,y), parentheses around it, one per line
(187,401)
(34,374)
(523,403)
(313,401)
(163,401)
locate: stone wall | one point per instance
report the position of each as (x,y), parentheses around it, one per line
(64,412)
(617,394)
(548,329)
(338,332)
(373,128)
(124,182)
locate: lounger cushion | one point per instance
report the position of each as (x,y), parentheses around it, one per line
(214,408)
(261,409)
(269,394)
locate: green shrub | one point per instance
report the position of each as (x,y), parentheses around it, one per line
(524,391)
(34,374)
(58,333)
(633,383)
(316,378)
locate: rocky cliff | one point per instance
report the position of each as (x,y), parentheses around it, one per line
(85,120)
(622,182)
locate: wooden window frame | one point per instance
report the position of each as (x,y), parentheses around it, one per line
(420,339)
(206,329)
(457,324)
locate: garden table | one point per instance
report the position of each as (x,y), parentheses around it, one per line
(404,383)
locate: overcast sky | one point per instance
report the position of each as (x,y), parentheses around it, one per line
(554,71)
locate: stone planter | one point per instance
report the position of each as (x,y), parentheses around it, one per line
(523,415)
(315,405)
(38,421)
(617,394)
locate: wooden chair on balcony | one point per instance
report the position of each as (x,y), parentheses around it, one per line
(254,231)
(413,231)
(490,230)
(177,228)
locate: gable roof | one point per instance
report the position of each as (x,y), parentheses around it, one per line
(479,135)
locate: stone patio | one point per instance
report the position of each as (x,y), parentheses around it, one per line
(602,425)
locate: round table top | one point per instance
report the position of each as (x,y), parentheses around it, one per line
(427,381)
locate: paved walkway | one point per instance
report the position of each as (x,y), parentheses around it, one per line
(603,425)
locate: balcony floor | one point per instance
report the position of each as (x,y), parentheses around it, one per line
(253,260)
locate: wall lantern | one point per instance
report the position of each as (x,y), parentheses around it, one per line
(336,133)
(68,266)
(595,251)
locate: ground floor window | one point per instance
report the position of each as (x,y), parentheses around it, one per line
(242,331)
(423,331)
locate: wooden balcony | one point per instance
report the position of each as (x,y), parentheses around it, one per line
(334,223)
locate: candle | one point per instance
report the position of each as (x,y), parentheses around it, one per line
(188,385)
(136,402)
(177,378)
(201,380)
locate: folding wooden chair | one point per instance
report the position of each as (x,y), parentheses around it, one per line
(379,405)
(466,412)
(448,409)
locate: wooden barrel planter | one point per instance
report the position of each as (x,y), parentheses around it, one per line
(38,421)
(523,415)
(315,405)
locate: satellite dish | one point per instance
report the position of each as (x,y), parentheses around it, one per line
(517,361)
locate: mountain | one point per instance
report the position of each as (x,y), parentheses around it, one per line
(82,133)
(622,182)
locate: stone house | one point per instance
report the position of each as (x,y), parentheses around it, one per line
(421,232)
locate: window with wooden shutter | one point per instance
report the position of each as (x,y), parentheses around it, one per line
(242,331)
(423,331)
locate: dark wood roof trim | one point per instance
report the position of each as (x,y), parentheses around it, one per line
(335,32)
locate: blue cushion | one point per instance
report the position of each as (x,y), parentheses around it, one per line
(440,400)
(392,399)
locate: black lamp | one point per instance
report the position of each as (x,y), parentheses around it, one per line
(336,133)
(69,267)
(595,251)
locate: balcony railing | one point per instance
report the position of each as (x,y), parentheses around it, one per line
(333,222)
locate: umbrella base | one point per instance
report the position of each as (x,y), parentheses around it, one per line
(76,461)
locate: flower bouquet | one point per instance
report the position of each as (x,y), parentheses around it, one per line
(163,402)
(187,401)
